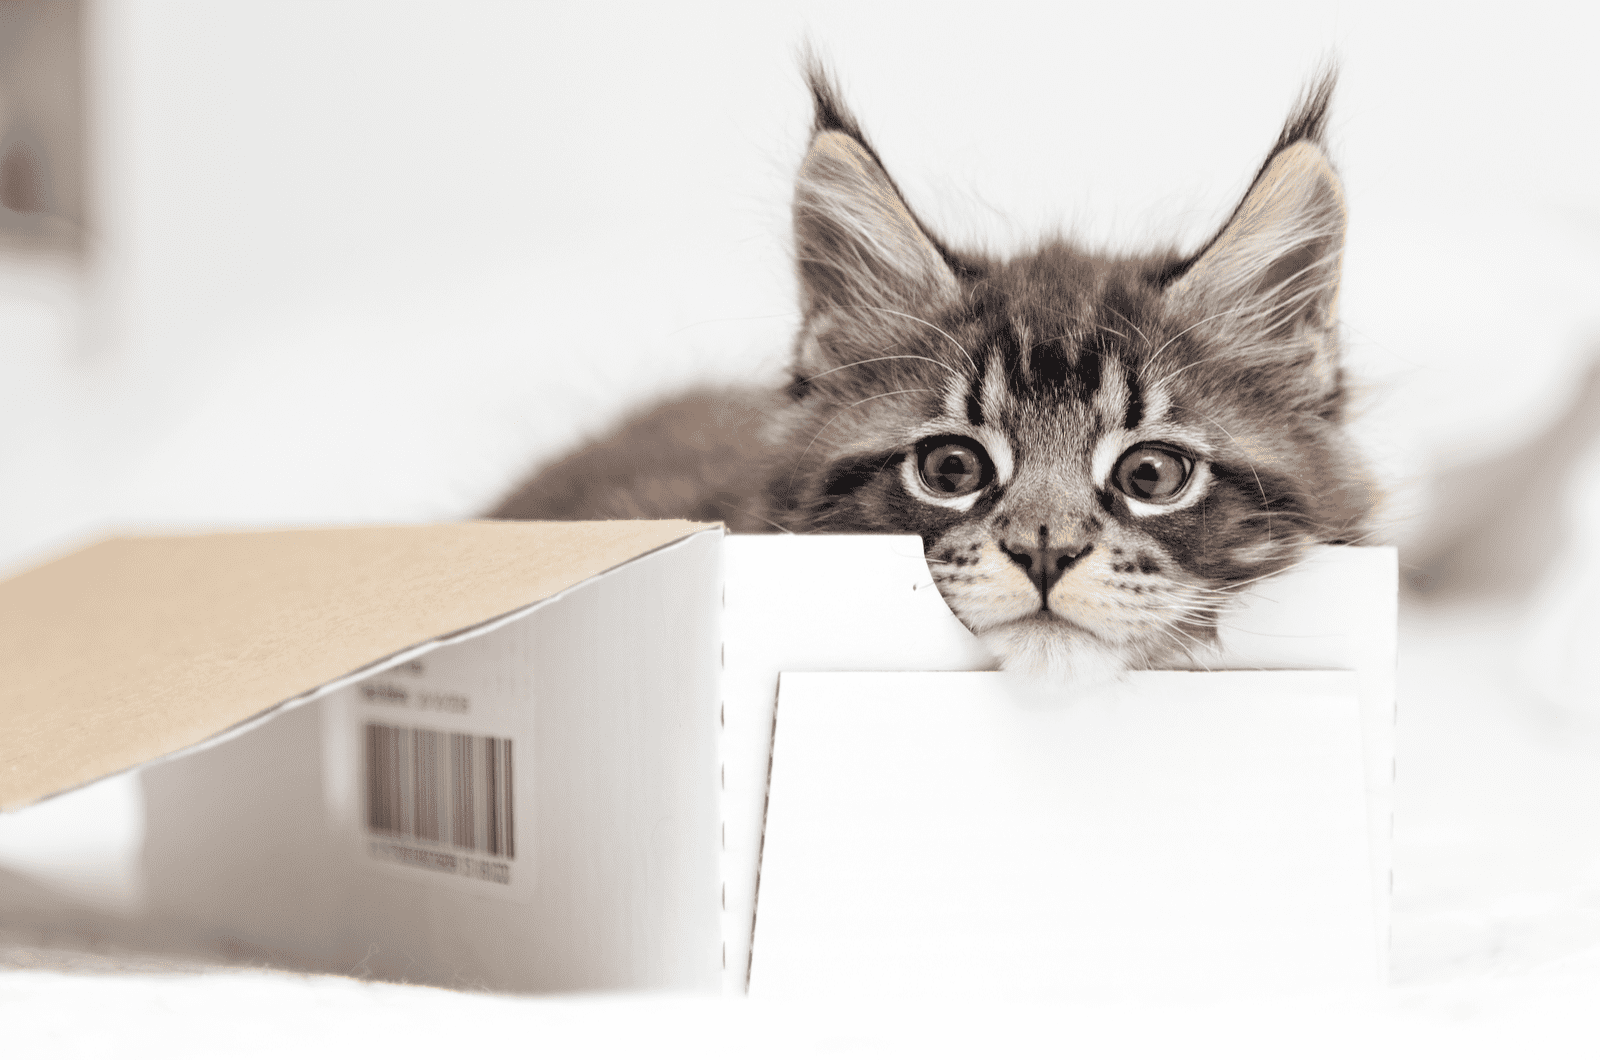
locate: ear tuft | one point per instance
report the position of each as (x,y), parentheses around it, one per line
(1309,119)
(858,246)
(1269,280)
(828,110)
(1278,259)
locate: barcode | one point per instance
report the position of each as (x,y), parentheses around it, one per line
(444,787)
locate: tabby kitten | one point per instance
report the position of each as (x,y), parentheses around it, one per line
(1096,450)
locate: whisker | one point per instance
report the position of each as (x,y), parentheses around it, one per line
(928,323)
(1181,334)
(1204,613)
(1260,577)
(1188,652)
(1174,627)
(753,515)
(891,357)
(1131,324)
(801,458)
(1266,504)
(1267,311)
(1057,338)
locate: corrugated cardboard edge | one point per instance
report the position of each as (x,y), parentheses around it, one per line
(690,532)
(379,665)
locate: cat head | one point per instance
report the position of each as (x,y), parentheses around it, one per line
(1096,450)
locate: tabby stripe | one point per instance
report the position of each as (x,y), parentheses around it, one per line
(1135,400)
(1047,363)
(1023,371)
(975,393)
(844,479)
(1261,488)
(1018,361)
(1089,370)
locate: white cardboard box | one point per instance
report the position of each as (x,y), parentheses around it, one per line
(852,604)
(1186,834)
(569,684)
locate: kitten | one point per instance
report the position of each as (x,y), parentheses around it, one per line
(1096,450)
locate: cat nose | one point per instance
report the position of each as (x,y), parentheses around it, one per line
(1043,563)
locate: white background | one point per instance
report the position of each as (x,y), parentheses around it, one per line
(370,261)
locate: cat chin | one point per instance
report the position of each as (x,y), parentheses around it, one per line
(1054,655)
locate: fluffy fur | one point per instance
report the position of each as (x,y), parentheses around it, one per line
(994,407)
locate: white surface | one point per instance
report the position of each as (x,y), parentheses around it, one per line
(811,603)
(253,1014)
(294,377)
(851,603)
(1335,610)
(1184,834)
(1497,939)
(86,844)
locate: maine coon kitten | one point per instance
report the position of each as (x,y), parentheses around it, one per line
(1097,450)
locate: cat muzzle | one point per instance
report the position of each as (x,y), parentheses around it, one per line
(1045,565)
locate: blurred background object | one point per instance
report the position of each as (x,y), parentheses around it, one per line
(42,126)
(1498,525)
(280,262)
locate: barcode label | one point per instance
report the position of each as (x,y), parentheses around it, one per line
(452,788)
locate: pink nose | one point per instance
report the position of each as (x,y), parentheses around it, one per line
(1043,564)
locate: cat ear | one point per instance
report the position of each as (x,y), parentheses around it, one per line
(1270,278)
(860,250)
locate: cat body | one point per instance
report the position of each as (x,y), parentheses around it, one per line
(704,456)
(1097,451)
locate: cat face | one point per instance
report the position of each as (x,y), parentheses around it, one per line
(1097,452)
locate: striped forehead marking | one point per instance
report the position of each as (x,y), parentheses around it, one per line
(1135,413)
(976,392)
(995,388)
(1024,350)
(1016,363)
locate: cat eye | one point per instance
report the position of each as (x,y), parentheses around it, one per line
(1152,473)
(953,466)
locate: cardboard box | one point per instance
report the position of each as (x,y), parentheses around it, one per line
(1197,835)
(577,666)
(801,604)
(535,757)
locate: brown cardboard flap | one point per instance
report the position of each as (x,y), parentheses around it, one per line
(137,647)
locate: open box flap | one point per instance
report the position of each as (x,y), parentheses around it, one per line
(138,647)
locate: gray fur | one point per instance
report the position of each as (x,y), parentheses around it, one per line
(1049,370)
